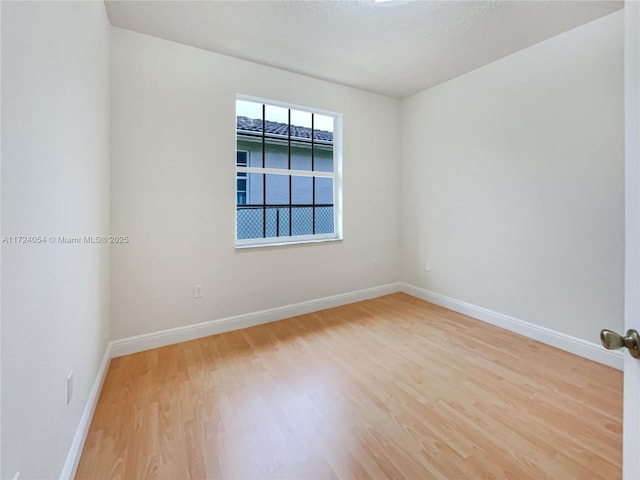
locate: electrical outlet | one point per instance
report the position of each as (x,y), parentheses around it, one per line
(69,387)
(374,265)
(427,266)
(197,290)
(16,476)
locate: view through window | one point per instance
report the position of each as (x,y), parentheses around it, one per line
(287,182)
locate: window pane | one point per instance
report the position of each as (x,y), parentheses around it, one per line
(301,220)
(301,156)
(324,220)
(324,205)
(273,217)
(323,128)
(255,189)
(277,189)
(248,116)
(301,119)
(277,120)
(324,191)
(250,222)
(301,190)
(300,125)
(276,153)
(323,158)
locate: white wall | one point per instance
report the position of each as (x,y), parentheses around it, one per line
(55,181)
(513,183)
(172,191)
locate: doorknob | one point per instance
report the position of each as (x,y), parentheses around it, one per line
(612,341)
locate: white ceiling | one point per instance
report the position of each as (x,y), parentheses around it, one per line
(392,48)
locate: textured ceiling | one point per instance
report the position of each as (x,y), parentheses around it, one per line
(392,48)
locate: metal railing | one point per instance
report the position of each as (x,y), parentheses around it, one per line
(283,220)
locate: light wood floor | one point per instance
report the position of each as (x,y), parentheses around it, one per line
(388,388)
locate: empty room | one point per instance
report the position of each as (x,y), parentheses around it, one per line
(364,239)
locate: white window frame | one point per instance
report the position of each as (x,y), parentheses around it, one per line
(336,175)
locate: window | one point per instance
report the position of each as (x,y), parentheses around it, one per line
(288,185)
(241,177)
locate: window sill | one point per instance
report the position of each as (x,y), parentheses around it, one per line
(277,243)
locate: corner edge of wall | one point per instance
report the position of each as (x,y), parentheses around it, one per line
(77,445)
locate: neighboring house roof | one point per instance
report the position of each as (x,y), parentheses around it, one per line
(254,125)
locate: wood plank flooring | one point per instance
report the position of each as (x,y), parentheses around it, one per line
(387,388)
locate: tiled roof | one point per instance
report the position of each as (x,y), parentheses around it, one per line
(274,128)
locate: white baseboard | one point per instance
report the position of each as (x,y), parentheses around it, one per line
(75,451)
(163,338)
(569,343)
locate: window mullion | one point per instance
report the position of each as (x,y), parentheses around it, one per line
(264,176)
(284,171)
(313,187)
(290,178)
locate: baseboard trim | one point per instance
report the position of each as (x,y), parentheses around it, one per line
(569,343)
(77,445)
(171,336)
